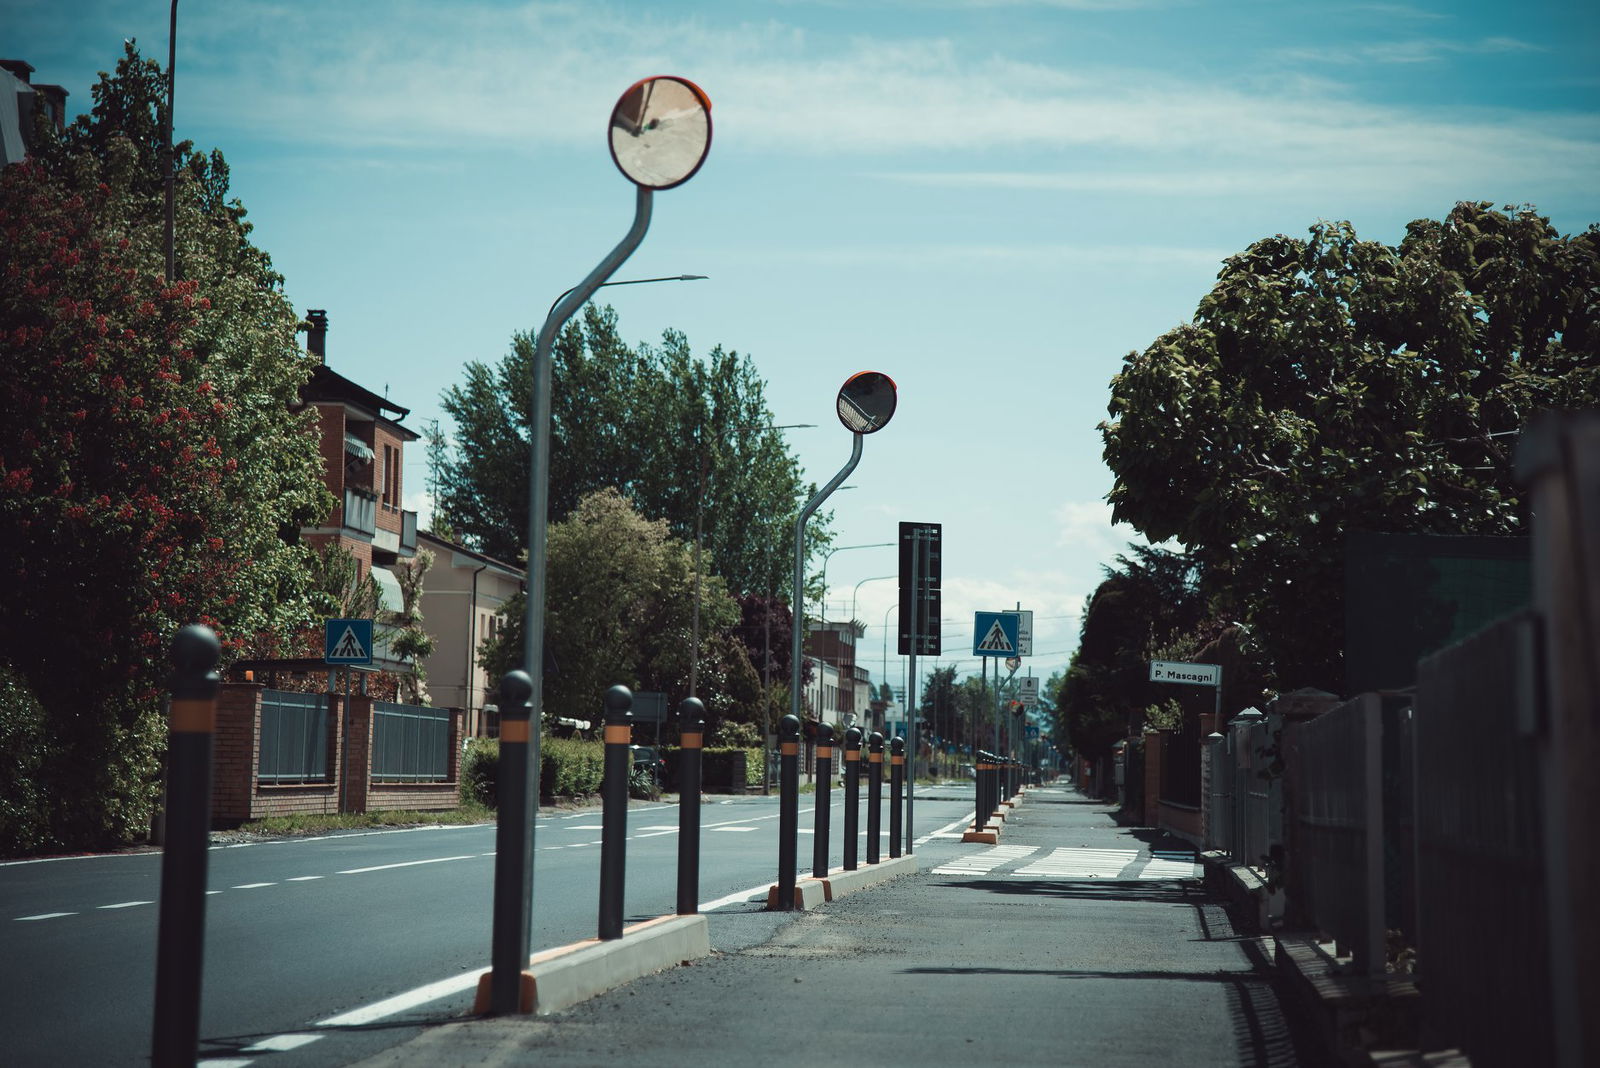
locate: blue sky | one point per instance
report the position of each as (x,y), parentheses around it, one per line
(991,201)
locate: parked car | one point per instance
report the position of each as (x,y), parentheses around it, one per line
(647,756)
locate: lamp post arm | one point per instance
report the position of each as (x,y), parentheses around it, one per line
(800,568)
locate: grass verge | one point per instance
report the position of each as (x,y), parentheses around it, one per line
(318,823)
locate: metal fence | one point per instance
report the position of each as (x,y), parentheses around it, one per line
(1335,767)
(1244,804)
(294,737)
(410,743)
(1483,941)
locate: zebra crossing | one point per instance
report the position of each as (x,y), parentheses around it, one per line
(1080,862)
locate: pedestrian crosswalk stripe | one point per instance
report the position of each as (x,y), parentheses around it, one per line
(1080,864)
(985,862)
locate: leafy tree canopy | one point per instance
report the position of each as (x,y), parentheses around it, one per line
(150,462)
(1332,384)
(676,434)
(621,594)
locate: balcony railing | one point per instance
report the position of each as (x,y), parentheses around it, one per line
(360,510)
(408,530)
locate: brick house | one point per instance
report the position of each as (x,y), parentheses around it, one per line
(363,456)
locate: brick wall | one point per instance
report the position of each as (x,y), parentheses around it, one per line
(233,770)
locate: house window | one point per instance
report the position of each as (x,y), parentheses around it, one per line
(391,477)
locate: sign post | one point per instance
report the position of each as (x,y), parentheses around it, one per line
(921,566)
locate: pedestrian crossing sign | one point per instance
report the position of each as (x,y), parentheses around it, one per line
(994,634)
(347,641)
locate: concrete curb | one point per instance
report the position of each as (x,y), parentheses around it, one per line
(840,882)
(559,978)
(811,891)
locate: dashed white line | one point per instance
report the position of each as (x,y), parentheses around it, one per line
(251,886)
(281,1043)
(303,878)
(44,916)
(125,904)
(734,828)
(402,864)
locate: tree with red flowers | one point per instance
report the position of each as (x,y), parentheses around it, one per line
(153,468)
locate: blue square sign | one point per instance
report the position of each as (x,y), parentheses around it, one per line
(994,634)
(347,641)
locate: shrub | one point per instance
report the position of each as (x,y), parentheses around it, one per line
(755,762)
(480,772)
(24,804)
(570,767)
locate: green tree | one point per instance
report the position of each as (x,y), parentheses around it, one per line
(150,457)
(1333,384)
(655,422)
(621,590)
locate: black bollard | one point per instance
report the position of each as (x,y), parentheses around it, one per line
(980,786)
(691,733)
(897,786)
(180,950)
(852,796)
(614,813)
(788,809)
(513,853)
(822,828)
(874,795)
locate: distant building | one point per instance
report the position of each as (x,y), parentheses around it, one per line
(21,105)
(462,595)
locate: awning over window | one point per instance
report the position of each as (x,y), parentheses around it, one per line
(389,598)
(356,447)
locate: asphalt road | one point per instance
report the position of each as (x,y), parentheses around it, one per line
(316,947)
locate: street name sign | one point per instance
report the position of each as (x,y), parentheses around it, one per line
(994,633)
(347,641)
(1192,674)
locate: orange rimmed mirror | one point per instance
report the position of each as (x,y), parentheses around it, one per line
(867,402)
(661,131)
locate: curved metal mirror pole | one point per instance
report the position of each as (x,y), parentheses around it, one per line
(539,483)
(798,625)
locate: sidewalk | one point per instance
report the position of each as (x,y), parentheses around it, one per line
(1072,942)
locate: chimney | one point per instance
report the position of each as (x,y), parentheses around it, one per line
(317,334)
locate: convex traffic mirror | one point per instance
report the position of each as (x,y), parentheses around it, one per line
(661,131)
(867,402)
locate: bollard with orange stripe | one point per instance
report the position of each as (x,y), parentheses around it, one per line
(691,733)
(614,814)
(788,808)
(874,795)
(897,785)
(508,986)
(852,796)
(822,828)
(180,949)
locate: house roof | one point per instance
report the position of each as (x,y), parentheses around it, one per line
(456,547)
(327,385)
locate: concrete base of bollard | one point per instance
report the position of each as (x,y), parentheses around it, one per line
(840,882)
(986,835)
(559,978)
(808,894)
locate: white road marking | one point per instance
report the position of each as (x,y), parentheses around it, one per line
(44,916)
(945,831)
(660,827)
(212,893)
(587,827)
(251,886)
(378,1010)
(402,864)
(984,862)
(281,1043)
(125,904)
(304,878)
(1079,863)
(224,1062)
(734,828)
(736,898)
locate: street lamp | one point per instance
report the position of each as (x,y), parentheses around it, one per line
(857,591)
(699,514)
(632,282)
(823,612)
